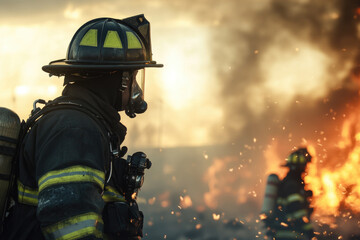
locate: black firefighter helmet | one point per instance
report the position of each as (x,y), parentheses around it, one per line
(298,159)
(106,45)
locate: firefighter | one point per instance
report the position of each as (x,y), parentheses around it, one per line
(72,182)
(286,209)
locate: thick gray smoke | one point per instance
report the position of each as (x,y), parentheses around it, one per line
(284,68)
(329,27)
(248,41)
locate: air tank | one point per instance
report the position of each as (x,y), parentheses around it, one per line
(271,193)
(9,132)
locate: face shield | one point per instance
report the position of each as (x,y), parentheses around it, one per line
(138,86)
(137,103)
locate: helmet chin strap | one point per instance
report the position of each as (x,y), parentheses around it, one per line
(125,81)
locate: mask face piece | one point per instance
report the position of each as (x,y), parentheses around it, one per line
(140,80)
(137,104)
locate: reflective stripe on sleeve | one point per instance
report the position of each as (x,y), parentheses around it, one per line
(286,234)
(27,195)
(112,195)
(300,213)
(72,174)
(294,197)
(281,201)
(81,226)
(308,227)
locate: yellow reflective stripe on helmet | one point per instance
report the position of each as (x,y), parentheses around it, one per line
(72,174)
(295,197)
(27,195)
(133,41)
(295,158)
(90,38)
(112,195)
(302,159)
(81,226)
(112,40)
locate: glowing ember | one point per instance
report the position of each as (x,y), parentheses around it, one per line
(284,224)
(185,202)
(263,216)
(216,217)
(305,219)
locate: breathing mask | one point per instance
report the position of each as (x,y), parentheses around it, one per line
(136,104)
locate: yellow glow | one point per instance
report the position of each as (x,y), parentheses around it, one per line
(290,74)
(187,68)
(185,83)
(357,136)
(45,91)
(52,90)
(22,90)
(336,186)
(72,13)
(331,194)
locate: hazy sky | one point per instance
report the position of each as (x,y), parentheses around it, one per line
(229,65)
(34,34)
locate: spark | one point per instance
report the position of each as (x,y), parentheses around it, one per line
(215,216)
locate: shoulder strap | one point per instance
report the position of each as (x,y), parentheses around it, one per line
(38,113)
(79,107)
(35,116)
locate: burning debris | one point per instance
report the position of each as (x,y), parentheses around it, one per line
(334,176)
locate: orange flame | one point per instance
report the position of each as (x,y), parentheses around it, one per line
(334,179)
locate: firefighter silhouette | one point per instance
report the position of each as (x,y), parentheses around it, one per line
(286,209)
(72,181)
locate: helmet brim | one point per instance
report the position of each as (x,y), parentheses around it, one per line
(62,67)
